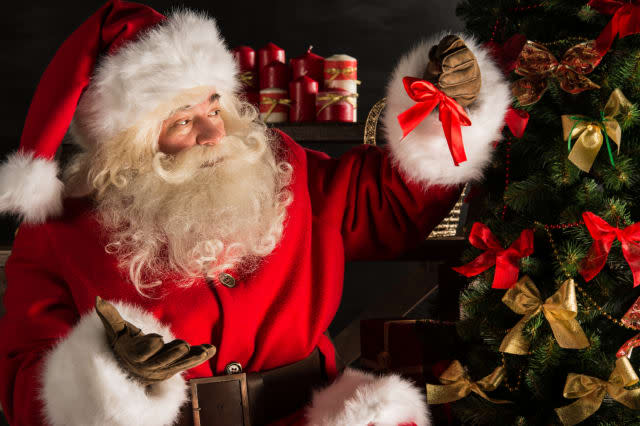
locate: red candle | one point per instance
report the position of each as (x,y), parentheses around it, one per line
(274,75)
(274,105)
(303,91)
(245,57)
(308,64)
(268,54)
(335,106)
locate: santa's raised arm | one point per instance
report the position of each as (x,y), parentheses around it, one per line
(188,260)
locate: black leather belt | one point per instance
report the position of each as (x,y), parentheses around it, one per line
(253,399)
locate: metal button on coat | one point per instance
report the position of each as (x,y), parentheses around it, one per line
(227,280)
(233,368)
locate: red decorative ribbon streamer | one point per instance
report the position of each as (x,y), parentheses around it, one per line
(603,237)
(516,120)
(628,346)
(506,54)
(452,115)
(625,21)
(506,260)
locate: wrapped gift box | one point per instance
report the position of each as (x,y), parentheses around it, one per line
(412,348)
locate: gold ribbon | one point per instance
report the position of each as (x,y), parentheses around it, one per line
(592,391)
(456,385)
(588,134)
(560,310)
(537,65)
(335,72)
(247,78)
(335,98)
(274,103)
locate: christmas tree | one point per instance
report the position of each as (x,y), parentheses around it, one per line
(547,320)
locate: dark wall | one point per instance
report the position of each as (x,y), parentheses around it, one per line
(376,32)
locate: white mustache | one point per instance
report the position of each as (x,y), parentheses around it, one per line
(178,168)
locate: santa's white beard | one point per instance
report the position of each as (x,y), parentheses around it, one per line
(208,209)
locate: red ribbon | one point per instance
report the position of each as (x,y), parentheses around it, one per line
(516,120)
(452,115)
(603,236)
(625,21)
(628,346)
(506,260)
(506,54)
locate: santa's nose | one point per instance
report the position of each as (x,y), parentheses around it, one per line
(209,133)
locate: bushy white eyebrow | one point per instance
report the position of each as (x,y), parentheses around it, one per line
(212,99)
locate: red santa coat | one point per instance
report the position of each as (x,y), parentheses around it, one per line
(371,203)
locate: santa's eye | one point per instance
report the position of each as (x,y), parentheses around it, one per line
(214,113)
(182,122)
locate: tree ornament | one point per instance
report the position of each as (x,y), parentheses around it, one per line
(592,391)
(537,65)
(506,54)
(506,260)
(628,347)
(632,317)
(625,21)
(603,237)
(560,310)
(456,385)
(588,133)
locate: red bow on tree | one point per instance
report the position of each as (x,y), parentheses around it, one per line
(506,260)
(452,115)
(625,21)
(603,237)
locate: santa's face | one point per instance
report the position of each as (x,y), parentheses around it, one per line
(192,125)
(211,196)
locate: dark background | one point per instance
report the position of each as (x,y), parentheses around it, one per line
(376,32)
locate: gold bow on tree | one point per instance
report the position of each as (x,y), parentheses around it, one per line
(592,391)
(537,65)
(560,310)
(588,133)
(456,385)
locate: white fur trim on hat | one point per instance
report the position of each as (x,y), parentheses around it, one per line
(84,385)
(423,155)
(182,53)
(30,187)
(357,398)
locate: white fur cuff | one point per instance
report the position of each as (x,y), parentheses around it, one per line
(423,155)
(357,398)
(30,188)
(84,385)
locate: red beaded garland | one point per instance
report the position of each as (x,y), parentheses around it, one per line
(565,225)
(513,9)
(507,177)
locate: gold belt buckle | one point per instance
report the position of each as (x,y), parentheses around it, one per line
(227,400)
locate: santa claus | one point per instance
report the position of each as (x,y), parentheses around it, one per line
(184,219)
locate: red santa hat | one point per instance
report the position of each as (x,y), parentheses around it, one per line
(111,73)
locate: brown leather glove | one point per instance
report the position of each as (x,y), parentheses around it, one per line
(454,69)
(145,356)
